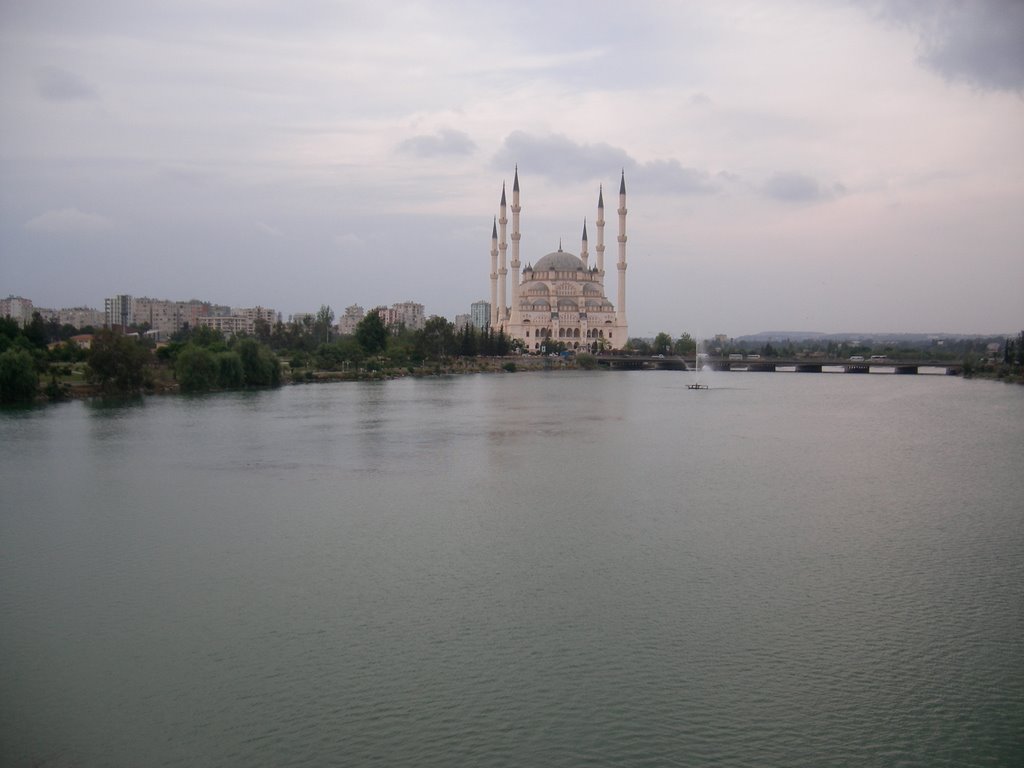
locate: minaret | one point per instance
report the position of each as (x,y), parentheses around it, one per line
(583,246)
(600,234)
(514,313)
(502,269)
(494,273)
(620,316)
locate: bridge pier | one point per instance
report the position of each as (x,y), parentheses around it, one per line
(905,370)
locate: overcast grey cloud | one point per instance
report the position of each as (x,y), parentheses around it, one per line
(794,188)
(979,42)
(445,142)
(669,177)
(295,154)
(56,84)
(559,157)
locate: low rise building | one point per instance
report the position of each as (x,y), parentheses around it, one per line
(241,320)
(169,317)
(347,322)
(80,317)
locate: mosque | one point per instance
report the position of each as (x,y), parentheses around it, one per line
(562,297)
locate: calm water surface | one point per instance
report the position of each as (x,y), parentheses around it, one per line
(519,570)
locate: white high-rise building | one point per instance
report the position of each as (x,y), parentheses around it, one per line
(480,314)
(18,309)
(119,311)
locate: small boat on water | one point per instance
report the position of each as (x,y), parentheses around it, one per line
(697,386)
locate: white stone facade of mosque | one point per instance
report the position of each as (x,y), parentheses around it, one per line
(562,297)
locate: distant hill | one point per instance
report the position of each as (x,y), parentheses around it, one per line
(908,338)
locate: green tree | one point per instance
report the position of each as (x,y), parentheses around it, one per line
(639,346)
(117,363)
(436,340)
(261,329)
(501,343)
(685,346)
(230,374)
(196,368)
(9,330)
(35,331)
(260,366)
(322,326)
(662,344)
(18,378)
(467,343)
(371,333)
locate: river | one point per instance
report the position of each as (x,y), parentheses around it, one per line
(531,569)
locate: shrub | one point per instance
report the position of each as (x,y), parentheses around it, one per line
(260,366)
(18,377)
(196,369)
(230,374)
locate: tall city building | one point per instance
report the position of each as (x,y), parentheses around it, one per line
(119,311)
(480,314)
(17,308)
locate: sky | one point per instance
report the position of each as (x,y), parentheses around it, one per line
(823,165)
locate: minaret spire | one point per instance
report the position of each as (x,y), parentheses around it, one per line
(502,268)
(621,326)
(583,246)
(600,234)
(514,318)
(494,272)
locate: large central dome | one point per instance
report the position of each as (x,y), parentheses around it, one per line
(559,261)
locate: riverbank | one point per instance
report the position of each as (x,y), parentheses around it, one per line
(163,382)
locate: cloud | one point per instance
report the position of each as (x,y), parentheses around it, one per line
(559,157)
(980,42)
(446,142)
(797,188)
(56,84)
(68,220)
(671,178)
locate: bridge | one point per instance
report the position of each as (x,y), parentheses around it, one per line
(799,365)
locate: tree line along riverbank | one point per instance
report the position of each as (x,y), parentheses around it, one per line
(40,363)
(111,364)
